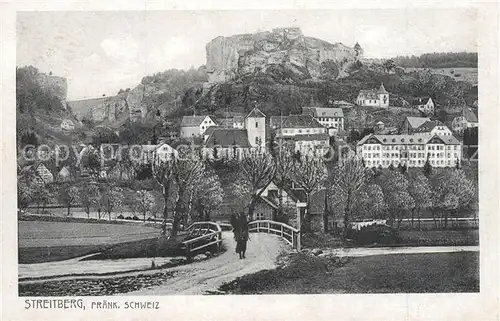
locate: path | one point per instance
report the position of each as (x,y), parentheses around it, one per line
(366,251)
(199,277)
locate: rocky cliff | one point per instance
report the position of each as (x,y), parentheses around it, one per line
(56,86)
(238,55)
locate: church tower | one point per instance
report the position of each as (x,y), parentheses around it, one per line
(255,124)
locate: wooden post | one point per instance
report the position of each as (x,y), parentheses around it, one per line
(299,228)
(282,231)
(258,227)
(268,227)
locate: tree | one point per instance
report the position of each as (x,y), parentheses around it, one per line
(41,196)
(377,202)
(208,194)
(420,190)
(86,193)
(427,168)
(144,202)
(113,198)
(452,191)
(257,169)
(187,171)
(284,170)
(389,65)
(398,199)
(349,177)
(97,201)
(68,194)
(163,172)
(310,174)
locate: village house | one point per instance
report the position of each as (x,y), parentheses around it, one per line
(235,142)
(373,97)
(424,104)
(67,124)
(410,124)
(195,126)
(303,132)
(40,171)
(64,175)
(468,119)
(433,127)
(409,150)
(331,118)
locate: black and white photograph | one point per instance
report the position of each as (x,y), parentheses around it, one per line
(247,152)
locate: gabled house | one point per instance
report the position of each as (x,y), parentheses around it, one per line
(40,171)
(195,126)
(330,118)
(67,124)
(423,104)
(373,97)
(64,175)
(433,127)
(226,142)
(468,119)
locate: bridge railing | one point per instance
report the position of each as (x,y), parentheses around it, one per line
(290,234)
(202,235)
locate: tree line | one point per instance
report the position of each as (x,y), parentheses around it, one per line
(438,60)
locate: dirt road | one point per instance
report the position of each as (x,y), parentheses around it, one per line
(200,277)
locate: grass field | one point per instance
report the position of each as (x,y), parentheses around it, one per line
(463,74)
(400,273)
(53,241)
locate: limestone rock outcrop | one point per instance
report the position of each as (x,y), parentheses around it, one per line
(229,57)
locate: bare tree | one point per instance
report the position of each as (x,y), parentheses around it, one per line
(187,171)
(257,170)
(420,190)
(113,198)
(144,202)
(310,174)
(208,194)
(86,194)
(349,177)
(283,176)
(398,199)
(68,195)
(163,172)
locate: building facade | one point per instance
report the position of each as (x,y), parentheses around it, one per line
(409,150)
(195,126)
(331,118)
(425,105)
(468,119)
(433,127)
(373,97)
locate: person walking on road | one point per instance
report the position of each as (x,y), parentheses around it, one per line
(240,230)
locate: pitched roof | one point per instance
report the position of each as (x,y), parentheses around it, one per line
(322,112)
(416,122)
(295,121)
(381,89)
(420,100)
(428,126)
(369,93)
(408,139)
(210,130)
(193,121)
(256,113)
(228,137)
(469,115)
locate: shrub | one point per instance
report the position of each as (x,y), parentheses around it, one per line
(120,217)
(135,218)
(128,218)
(379,234)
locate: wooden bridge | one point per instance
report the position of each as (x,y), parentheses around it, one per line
(202,235)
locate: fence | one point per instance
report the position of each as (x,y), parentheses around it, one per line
(290,234)
(202,235)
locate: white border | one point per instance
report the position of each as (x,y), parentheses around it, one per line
(482,306)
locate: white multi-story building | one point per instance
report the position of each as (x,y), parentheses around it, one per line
(409,150)
(467,120)
(424,104)
(331,118)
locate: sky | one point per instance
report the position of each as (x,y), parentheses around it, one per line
(102,52)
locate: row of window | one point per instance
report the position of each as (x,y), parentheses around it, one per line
(412,155)
(410,147)
(419,162)
(329,119)
(306,131)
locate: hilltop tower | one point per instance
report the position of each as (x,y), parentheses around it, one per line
(255,124)
(358,50)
